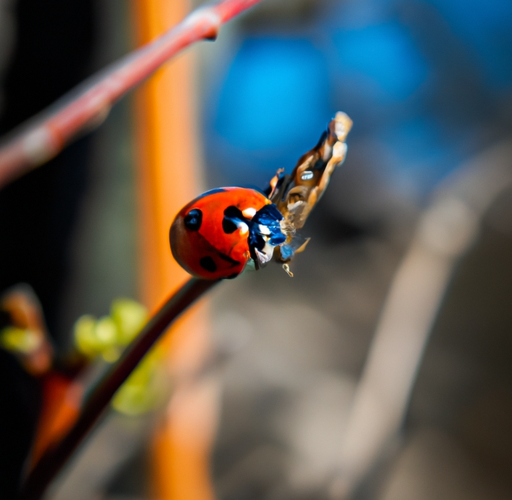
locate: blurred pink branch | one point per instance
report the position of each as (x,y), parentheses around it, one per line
(43,137)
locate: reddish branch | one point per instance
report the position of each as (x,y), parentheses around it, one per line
(43,137)
(99,396)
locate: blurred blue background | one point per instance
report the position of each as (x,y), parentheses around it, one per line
(430,82)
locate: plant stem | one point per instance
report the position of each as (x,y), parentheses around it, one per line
(86,106)
(100,395)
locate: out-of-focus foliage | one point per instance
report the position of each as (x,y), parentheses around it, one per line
(144,388)
(23,330)
(21,340)
(107,337)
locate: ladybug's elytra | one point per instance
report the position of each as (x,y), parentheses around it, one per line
(218,233)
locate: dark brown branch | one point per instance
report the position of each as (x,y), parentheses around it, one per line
(101,394)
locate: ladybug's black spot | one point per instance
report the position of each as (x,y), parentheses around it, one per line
(232,216)
(194,219)
(228,226)
(233,212)
(208,264)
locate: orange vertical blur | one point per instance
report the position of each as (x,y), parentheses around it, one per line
(167,159)
(168,177)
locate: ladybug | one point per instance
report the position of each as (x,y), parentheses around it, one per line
(216,235)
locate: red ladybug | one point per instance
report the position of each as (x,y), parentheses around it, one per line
(218,233)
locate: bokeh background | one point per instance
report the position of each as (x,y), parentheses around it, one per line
(410,245)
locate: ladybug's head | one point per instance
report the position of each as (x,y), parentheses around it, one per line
(265,233)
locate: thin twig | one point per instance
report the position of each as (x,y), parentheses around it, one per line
(445,233)
(100,395)
(86,106)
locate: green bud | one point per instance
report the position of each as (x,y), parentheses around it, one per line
(19,340)
(129,317)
